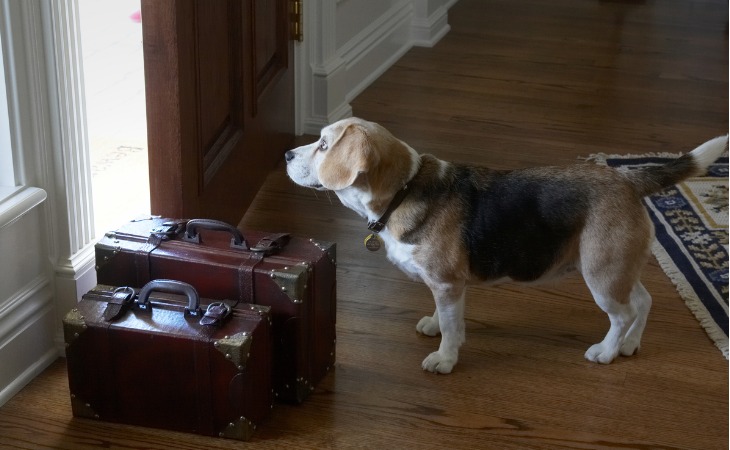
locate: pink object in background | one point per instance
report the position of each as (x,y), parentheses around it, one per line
(136,17)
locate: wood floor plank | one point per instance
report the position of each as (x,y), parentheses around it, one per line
(514,84)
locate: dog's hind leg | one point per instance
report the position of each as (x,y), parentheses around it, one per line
(613,252)
(450,314)
(641,302)
(627,310)
(622,315)
(617,290)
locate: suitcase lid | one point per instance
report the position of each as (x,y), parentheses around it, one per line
(169,307)
(216,236)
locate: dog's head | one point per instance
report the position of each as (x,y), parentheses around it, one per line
(352,154)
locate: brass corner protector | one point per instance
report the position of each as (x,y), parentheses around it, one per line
(292,280)
(73,325)
(235,348)
(82,409)
(241,429)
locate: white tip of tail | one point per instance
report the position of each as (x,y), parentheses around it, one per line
(707,153)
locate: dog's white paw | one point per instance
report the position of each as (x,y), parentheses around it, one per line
(598,353)
(436,362)
(428,326)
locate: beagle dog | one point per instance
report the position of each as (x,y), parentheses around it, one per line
(450,224)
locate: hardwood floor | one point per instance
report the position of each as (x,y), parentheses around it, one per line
(513,84)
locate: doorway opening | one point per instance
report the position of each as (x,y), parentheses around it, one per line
(111,42)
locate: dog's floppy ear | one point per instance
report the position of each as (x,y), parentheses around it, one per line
(348,156)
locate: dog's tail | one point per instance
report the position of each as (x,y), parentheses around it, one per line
(652,179)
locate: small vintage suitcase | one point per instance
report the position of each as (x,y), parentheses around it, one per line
(292,275)
(161,361)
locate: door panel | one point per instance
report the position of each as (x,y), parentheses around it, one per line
(270,44)
(219,84)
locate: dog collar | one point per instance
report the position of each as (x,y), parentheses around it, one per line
(377,226)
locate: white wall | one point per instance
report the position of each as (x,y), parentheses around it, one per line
(46,254)
(27,312)
(350,43)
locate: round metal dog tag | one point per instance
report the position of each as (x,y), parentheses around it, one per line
(372,243)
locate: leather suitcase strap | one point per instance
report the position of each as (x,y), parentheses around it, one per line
(271,243)
(246,277)
(264,247)
(142,259)
(120,301)
(216,313)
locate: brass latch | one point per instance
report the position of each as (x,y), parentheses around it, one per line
(296,18)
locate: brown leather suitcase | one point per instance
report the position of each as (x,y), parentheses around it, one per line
(292,275)
(159,360)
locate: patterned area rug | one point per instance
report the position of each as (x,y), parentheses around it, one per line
(691,222)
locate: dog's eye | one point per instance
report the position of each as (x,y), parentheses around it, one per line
(322,145)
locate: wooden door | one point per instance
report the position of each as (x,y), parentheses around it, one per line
(220,102)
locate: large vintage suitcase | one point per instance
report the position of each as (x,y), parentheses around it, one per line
(292,275)
(161,361)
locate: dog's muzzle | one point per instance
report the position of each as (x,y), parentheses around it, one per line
(296,175)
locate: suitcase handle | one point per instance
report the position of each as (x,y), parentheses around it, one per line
(171,287)
(192,235)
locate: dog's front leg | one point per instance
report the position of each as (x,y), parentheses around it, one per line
(450,315)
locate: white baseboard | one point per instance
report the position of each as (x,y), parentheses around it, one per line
(377,48)
(21,308)
(28,375)
(73,279)
(427,32)
(26,336)
(31,333)
(313,124)
(328,89)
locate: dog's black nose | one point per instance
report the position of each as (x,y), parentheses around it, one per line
(289,155)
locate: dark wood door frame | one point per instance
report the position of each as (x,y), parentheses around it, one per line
(220,102)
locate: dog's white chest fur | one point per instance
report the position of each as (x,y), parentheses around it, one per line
(401,255)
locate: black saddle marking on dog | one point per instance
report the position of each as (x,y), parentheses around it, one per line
(518,223)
